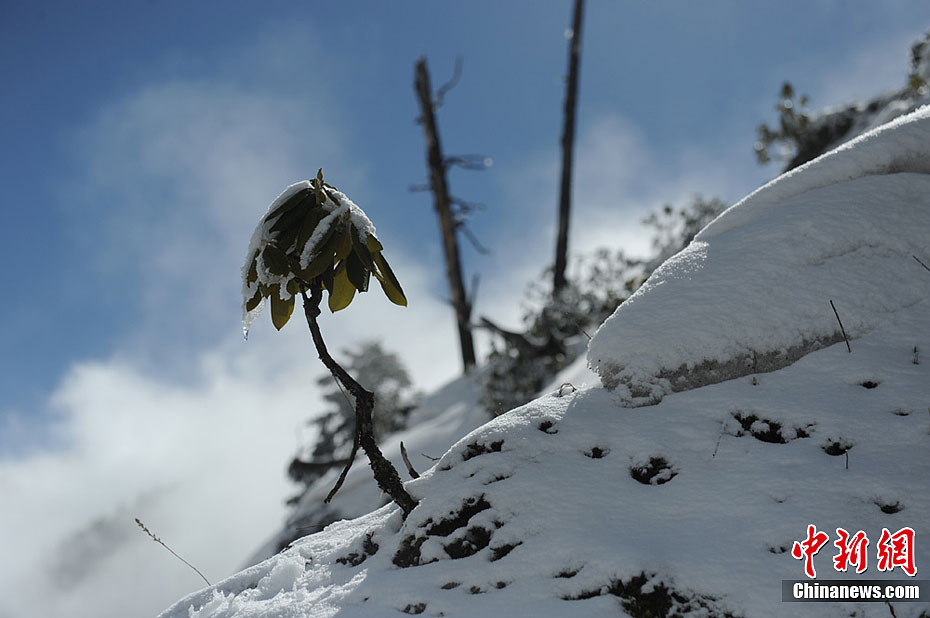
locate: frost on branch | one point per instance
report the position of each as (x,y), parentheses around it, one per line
(312,233)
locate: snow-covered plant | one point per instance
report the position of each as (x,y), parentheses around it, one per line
(313,234)
(312,238)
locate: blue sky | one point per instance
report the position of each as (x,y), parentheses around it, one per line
(143,140)
(688,80)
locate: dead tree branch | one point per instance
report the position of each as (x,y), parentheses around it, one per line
(439,99)
(549,347)
(299,468)
(474,162)
(470,236)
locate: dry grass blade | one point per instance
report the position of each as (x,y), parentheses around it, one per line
(921,263)
(843,330)
(162,543)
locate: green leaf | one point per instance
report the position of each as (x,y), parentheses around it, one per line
(344,247)
(252,303)
(312,219)
(252,275)
(343,291)
(324,257)
(281,310)
(361,250)
(357,272)
(276,261)
(289,219)
(327,277)
(389,282)
(374,246)
(289,204)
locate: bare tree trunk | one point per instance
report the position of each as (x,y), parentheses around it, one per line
(443,204)
(568,141)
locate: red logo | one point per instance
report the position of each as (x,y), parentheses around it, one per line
(897,550)
(809,548)
(893,550)
(852,551)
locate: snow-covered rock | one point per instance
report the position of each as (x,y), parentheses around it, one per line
(752,293)
(574,505)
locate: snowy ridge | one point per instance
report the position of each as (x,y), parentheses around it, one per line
(896,147)
(752,292)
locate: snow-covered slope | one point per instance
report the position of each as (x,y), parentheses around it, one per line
(578,505)
(752,292)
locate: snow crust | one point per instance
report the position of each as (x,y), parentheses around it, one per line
(752,292)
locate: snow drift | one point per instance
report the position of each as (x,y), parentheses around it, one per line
(752,292)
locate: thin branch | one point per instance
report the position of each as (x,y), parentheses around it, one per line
(299,467)
(162,543)
(464,208)
(843,330)
(891,609)
(473,162)
(466,231)
(449,85)
(518,340)
(921,263)
(385,474)
(410,469)
(717,446)
(419,188)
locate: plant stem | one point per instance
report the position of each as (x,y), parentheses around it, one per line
(174,553)
(843,330)
(385,474)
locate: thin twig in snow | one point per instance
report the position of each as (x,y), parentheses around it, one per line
(843,330)
(921,263)
(410,469)
(162,543)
